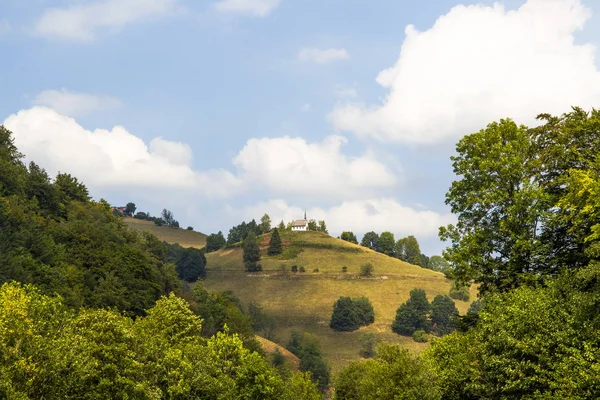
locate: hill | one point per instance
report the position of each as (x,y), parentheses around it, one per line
(304,301)
(181,236)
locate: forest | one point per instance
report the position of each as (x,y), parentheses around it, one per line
(91,309)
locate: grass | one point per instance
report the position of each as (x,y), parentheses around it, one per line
(170,235)
(304,301)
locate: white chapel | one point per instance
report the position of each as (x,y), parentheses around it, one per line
(300,224)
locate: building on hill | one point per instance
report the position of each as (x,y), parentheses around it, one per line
(300,224)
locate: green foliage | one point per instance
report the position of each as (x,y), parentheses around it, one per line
(386,243)
(412,315)
(344,269)
(350,314)
(49,352)
(240,232)
(316,270)
(370,240)
(312,225)
(294,268)
(275,245)
(190,263)
(189,228)
(214,242)
(444,314)
(130,209)
(322,227)
(302,269)
(349,237)
(281,226)
(251,254)
(265,224)
(367,270)
(407,249)
(459,292)
(420,336)
(308,350)
(393,374)
(368,342)
(437,263)
(261,322)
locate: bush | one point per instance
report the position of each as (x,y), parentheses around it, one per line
(294,268)
(444,314)
(190,228)
(344,269)
(368,342)
(420,336)
(412,315)
(367,269)
(459,293)
(302,269)
(316,270)
(350,314)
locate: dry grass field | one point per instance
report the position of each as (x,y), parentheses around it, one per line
(304,301)
(184,237)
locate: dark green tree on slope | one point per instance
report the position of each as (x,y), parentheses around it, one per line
(275,246)
(251,254)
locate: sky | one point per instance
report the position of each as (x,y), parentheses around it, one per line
(224,110)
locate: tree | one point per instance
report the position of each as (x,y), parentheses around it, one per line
(444,314)
(130,209)
(275,246)
(344,317)
(308,350)
(368,341)
(407,249)
(312,225)
(323,227)
(412,315)
(437,263)
(251,254)
(167,217)
(370,240)
(215,241)
(265,224)
(367,269)
(423,261)
(190,263)
(349,237)
(386,243)
(281,226)
(393,374)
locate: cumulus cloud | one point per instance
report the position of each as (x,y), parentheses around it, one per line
(116,158)
(478,64)
(84,21)
(75,104)
(322,56)
(294,166)
(378,214)
(258,8)
(110,159)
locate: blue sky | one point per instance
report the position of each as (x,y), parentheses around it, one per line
(222,111)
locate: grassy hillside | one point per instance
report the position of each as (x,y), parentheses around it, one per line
(304,301)
(184,237)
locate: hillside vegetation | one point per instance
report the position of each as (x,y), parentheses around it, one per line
(180,236)
(303,301)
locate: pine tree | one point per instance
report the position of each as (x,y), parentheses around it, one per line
(275,246)
(251,254)
(281,225)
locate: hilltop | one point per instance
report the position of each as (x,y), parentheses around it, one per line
(304,301)
(171,235)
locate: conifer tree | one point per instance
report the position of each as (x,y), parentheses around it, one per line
(251,254)
(275,246)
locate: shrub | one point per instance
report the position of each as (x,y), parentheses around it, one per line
(412,315)
(420,336)
(459,293)
(444,314)
(190,228)
(367,269)
(344,269)
(294,268)
(302,269)
(350,314)
(368,342)
(316,270)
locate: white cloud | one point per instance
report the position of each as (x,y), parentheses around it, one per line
(112,159)
(75,104)
(293,166)
(322,56)
(379,215)
(478,64)
(117,159)
(259,8)
(83,21)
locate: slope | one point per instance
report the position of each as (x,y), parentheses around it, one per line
(304,301)
(183,237)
